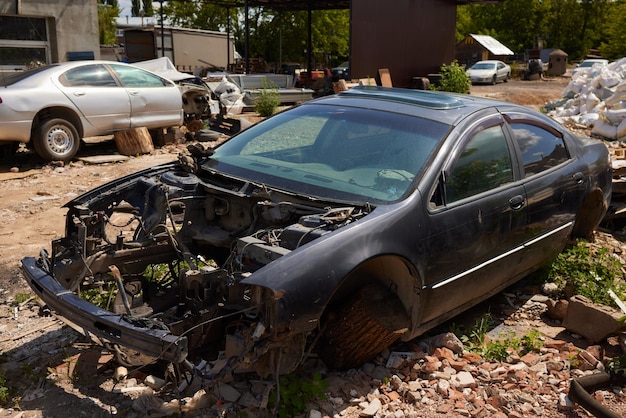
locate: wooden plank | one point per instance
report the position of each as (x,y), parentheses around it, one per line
(385,77)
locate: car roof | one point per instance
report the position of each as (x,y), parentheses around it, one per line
(596,60)
(448,108)
(40,74)
(488,61)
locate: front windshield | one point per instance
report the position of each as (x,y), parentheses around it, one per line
(332,152)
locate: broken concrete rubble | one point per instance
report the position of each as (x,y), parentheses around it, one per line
(591,320)
(424,380)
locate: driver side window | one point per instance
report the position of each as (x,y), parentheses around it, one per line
(484,164)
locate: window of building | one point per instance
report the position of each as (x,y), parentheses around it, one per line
(23,40)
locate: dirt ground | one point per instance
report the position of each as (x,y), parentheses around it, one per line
(54,372)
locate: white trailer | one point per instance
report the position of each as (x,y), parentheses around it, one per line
(188,49)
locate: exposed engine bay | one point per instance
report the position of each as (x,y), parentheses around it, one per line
(169,251)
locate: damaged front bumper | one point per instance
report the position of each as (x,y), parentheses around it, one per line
(95,322)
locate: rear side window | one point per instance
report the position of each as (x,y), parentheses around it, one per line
(88,76)
(541,149)
(136,77)
(484,164)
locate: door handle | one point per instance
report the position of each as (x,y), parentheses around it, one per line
(133,92)
(79,93)
(578,177)
(516,202)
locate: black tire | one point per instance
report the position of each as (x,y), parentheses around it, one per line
(56,140)
(494,80)
(506,79)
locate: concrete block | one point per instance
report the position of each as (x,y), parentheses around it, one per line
(593,321)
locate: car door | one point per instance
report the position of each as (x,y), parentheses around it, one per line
(154,101)
(501,70)
(98,96)
(475,220)
(553,182)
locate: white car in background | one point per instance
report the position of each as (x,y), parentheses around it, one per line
(586,64)
(489,71)
(55,106)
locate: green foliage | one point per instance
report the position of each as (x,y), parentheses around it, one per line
(614,46)
(453,79)
(296,390)
(532,341)
(617,363)
(100,296)
(108,10)
(268,100)
(571,25)
(4,389)
(588,271)
(197,14)
(21,298)
(476,340)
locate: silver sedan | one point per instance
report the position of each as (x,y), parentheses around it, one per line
(54,106)
(490,71)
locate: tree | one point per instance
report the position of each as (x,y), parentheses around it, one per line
(575,26)
(197,14)
(147,8)
(614,46)
(276,36)
(108,10)
(135,7)
(282,37)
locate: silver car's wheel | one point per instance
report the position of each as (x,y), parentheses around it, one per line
(56,139)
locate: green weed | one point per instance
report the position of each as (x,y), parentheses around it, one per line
(453,79)
(296,390)
(586,271)
(268,100)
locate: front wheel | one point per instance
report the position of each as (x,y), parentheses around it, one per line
(494,80)
(56,139)
(372,320)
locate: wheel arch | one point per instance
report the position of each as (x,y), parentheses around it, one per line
(394,273)
(58,112)
(589,215)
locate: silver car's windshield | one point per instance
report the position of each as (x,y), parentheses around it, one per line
(332,152)
(483,66)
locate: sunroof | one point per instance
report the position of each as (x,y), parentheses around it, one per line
(417,97)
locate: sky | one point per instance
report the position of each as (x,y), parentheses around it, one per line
(124,7)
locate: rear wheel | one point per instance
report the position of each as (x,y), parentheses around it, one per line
(362,327)
(589,216)
(56,139)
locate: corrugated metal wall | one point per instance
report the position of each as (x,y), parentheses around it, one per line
(412,38)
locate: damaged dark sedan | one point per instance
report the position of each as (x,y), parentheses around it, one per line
(337,227)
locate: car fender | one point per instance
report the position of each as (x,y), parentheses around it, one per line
(305,286)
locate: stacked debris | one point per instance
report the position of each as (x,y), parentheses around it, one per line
(596,97)
(595,101)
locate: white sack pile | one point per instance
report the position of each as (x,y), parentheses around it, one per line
(230,96)
(596,97)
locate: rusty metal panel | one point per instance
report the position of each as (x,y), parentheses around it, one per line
(412,38)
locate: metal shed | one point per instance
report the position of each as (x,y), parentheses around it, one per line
(479,48)
(395,35)
(557,62)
